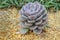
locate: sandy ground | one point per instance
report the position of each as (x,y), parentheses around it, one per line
(51,33)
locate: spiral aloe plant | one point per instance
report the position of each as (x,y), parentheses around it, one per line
(33,17)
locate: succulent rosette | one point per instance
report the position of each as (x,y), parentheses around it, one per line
(33,17)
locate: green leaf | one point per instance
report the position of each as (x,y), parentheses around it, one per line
(16,2)
(5,1)
(3,6)
(48,6)
(11,1)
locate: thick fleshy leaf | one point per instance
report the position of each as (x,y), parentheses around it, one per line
(38,23)
(24,30)
(28,24)
(40,27)
(37,31)
(23,18)
(33,27)
(31,21)
(33,17)
(23,25)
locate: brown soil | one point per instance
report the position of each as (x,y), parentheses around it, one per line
(52,33)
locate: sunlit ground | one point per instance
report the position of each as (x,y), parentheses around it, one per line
(52,33)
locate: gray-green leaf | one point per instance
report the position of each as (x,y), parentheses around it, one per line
(24,30)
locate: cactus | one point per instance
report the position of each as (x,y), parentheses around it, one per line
(34,17)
